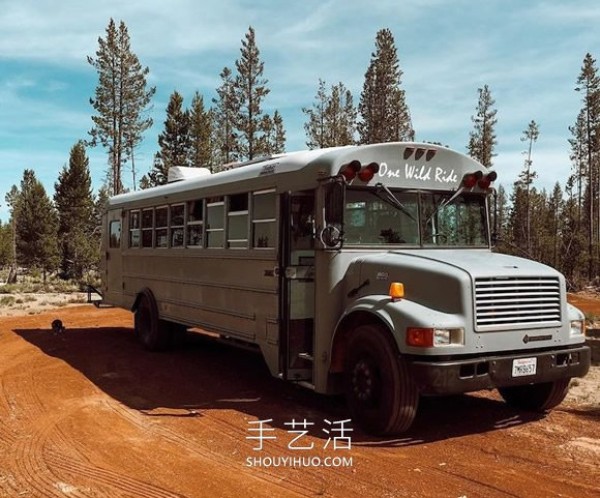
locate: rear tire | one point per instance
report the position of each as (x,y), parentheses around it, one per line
(536,397)
(381,395)
(150,330)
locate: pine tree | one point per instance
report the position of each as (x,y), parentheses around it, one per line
(120,100)
(530,136)
(79,249)
(573,256)
(517,234)
(250,90)
(340,116)
(6,244)
(315,126)
(36,226)
(158,175)
(278,141)
(537,202)
(11,198)
(587,146)
(225,115)
(201,127)
(174,141)
(273,138)
(332,118)
(482,139)
(100,205)
(554,225)
(384,114)
(579,159)
(500,217)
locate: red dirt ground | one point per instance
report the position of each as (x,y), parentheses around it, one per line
(91,414)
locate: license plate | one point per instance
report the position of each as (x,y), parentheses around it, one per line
(522,367)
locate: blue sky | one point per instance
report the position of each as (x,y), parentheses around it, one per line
(528,52)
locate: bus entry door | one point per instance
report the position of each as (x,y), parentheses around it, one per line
(112,287)
(299,280)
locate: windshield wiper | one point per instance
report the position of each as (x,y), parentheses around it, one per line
(444,203)
(392,200)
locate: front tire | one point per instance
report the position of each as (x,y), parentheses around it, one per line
(381,395)
(536,397)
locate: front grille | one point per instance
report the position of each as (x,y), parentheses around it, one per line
(526,302)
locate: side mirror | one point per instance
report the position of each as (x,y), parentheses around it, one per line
(335,193)
(331,236)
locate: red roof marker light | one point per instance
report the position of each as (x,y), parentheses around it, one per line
(367,173)
(349,171)
(471,179)
(486,181)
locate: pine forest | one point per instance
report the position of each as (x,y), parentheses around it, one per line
(58,233)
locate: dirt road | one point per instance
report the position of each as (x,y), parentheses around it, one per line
(90,414)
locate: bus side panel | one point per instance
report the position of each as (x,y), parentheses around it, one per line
(237,299)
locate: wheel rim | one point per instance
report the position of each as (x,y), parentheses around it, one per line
(365,381)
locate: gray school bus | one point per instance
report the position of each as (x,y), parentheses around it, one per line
(364,270)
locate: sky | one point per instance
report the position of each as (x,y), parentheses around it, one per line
(529,53)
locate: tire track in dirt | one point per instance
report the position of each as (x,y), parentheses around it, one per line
(28,464)
(36,454)
(47,451)
(226,429)
(7,409)
(536,470)
(111,482)
(237,436)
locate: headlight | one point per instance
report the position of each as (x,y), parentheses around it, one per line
(577,327)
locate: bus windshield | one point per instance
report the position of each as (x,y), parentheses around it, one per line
(449,220)
(385,217)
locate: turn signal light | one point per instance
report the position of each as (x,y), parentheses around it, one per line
(396,290)
(367,173)
(419,337)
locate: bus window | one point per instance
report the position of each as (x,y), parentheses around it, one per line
(263,219)
(115,234)
(195,223)
(215,213)
(134,229)
(176,224)
(237,221)
(147,226)
(302,222)
(371,218)
(161,222)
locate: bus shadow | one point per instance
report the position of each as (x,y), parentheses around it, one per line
(207,375)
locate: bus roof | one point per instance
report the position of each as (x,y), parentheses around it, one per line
(400,165)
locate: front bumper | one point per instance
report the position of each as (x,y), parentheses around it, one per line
(488,372)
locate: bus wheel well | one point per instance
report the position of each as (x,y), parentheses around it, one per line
(136,303)
(344,330)
(145,292)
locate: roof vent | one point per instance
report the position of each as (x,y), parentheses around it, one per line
(178,173)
